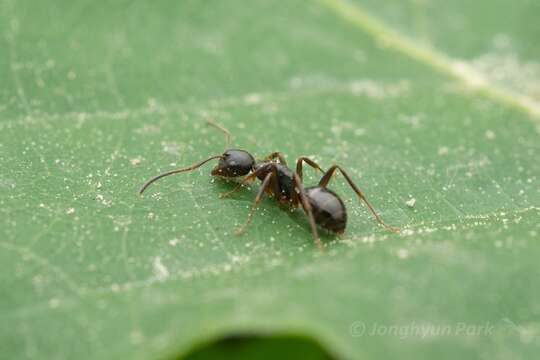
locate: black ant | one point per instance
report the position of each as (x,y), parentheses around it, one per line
(322,206)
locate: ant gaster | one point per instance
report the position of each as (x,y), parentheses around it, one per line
(322,206)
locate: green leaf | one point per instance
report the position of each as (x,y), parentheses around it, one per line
(433,108)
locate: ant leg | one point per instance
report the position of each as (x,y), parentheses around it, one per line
(270,180)
(258,198)
(193,167)
(308,161)
(244,181)
(278,155)
(308,210)
(326,179)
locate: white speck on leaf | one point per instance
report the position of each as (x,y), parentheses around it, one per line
(103,200)
(160,271)
(411,202)
(412,120)
(54,303)
(135,161)
(490,135)
(171,148)
(252,99)
(443,150)
(403,253)
(360,132)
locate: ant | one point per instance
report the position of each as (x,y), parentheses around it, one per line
(322,206)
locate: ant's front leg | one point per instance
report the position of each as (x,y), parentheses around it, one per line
(279,156)
(245,181)
(270,181)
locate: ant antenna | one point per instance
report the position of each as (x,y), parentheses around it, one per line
(193,167)
(228,135)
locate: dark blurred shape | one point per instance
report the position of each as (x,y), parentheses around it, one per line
(241,347)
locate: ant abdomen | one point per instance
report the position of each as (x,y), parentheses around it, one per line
(328,209)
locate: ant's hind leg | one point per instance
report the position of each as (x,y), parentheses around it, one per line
(308,210)
(328,176)
(258,198)
(308,161)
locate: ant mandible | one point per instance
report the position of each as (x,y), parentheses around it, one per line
(322,206)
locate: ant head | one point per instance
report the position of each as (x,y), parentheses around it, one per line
(234,163)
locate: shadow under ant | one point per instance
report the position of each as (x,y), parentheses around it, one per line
(327,236)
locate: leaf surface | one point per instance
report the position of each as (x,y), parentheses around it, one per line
(96,98)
